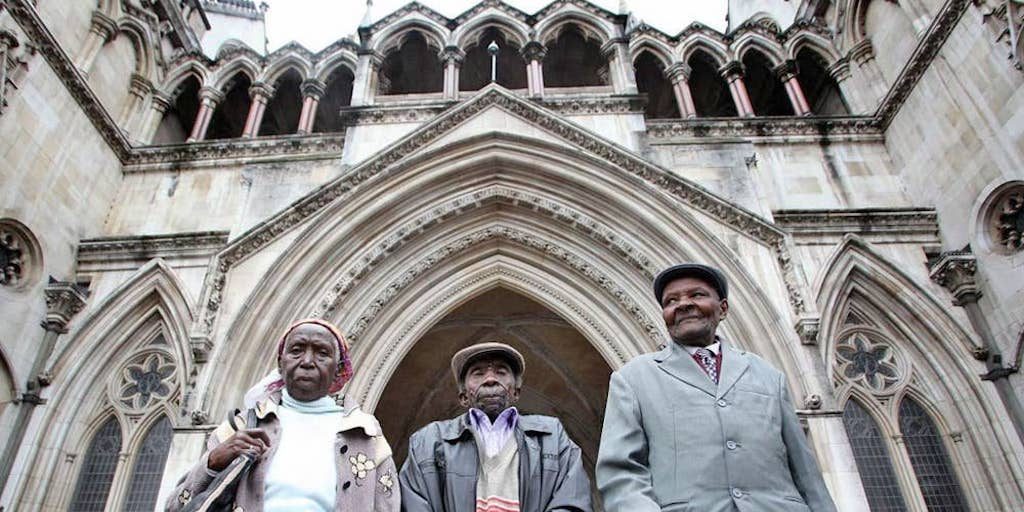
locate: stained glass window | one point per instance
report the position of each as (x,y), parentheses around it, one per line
(149,468)
(928,456)
(873,462)
(98,469)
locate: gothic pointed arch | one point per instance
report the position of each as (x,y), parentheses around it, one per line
(394,36)
(151,453)
(552,26)
(8,389)
(873,457)
(130,356)
(751,40)
(926,448)
(289,62)
(515,31)
(656,47)
(446,198)
(885,337)
(715,50)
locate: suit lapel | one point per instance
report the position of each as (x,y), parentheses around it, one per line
(734,365)
(678,363)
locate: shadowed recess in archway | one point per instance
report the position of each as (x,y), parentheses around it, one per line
(565,376)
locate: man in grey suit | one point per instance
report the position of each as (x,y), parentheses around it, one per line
(701,425)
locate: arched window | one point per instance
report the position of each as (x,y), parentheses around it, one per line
(710,93)
(767,94)
(282,114)
(935,476)
(872,458)
(149,468)
(337,94)
(650,80)
(228,119)
(476,68)
(820,89)
(98,468)
(177,122)
(411,69)
(574,61)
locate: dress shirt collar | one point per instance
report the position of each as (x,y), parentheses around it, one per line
(715,348)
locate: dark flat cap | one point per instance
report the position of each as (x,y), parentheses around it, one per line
(710,275)
(462,358)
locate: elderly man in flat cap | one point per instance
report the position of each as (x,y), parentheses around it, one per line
(701,425)
(492,459)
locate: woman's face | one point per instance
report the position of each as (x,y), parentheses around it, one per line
(309,362)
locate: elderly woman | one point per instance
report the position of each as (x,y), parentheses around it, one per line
(310,454)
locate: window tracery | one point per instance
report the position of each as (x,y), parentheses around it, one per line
(872,365)
(146,380)
(1008,220)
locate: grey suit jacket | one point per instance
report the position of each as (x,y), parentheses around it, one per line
(674,441)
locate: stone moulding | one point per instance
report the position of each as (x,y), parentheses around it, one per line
(857,127)
(813,224)
(199,244)
(568,216)
(236,151)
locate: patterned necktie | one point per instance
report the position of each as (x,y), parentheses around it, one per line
(706,358)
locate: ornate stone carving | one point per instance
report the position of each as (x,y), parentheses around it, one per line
(808,328)
(920,223)
(1009,20)
(871,365)
(63,301)
(12,257)
(260,149)
(954,270)
(858,127)
(146,379)
(571,218)
(8,42)
(1007,220)
(145,247)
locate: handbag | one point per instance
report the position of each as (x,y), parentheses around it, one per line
(219,496)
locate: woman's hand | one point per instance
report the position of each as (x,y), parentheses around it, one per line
(253,441)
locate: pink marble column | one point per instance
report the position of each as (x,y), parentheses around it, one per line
(209,97)
(679,75)
(787,72)
(312,91)
(533,52)
(733,74)
(260,94)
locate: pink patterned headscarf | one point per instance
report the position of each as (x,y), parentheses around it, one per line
(274,381)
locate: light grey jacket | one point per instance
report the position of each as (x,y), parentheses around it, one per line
(674,441)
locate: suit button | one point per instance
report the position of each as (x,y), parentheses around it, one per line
(731,445)
(343,449)
(722,403)
(736,493)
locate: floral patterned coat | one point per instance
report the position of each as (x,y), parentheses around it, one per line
(367,480)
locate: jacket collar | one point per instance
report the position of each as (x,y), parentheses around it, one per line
(460,427)
(677,362)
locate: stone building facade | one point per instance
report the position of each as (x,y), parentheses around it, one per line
(856,168)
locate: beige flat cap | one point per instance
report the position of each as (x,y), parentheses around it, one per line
(464,356)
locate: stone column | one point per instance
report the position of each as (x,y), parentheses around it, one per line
(452,58)
(63,302)
(679,75)
(364,85)
(158,105)
(209,97)
(733,74)
(7,43)
(955,271)
(787,72)
(260,93)
(616,51)
(312,91)
(102,30)
(840,72)
(534,52)
(133,112)
(863,54)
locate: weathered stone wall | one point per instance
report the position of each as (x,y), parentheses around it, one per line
(959,135)
(59,179)
(111,74)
